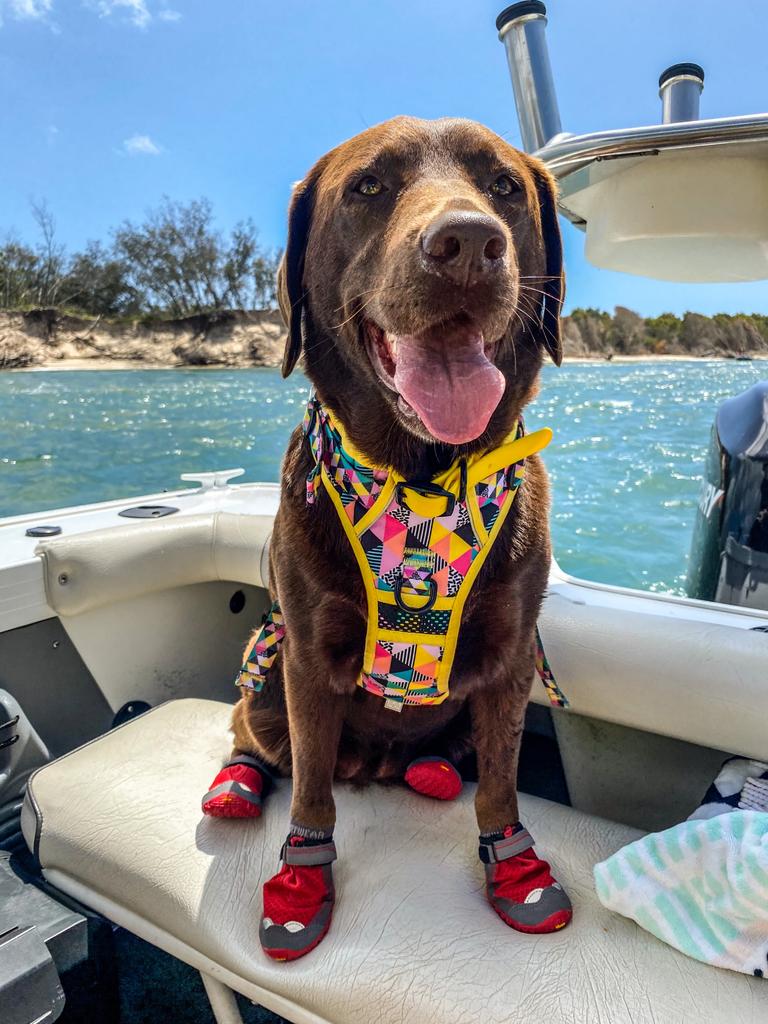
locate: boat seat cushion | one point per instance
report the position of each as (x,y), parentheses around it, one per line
(117,825)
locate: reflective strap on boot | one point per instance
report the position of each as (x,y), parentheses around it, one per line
(503,849)
(253,762)
(308,856)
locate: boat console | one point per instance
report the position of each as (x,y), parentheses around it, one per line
(644,196)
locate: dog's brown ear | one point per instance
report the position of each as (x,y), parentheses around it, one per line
(554,282)
(290,274)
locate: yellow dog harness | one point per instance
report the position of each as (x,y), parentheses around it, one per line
(419,547)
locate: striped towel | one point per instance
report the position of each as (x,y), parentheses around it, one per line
(701,886)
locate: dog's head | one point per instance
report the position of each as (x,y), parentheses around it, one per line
(423,278)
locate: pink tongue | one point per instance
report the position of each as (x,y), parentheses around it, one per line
(446,378)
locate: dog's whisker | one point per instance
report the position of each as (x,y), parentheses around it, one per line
(532,316)
(373,292)
(319,353)
(534,291)
(528,322)
(539,325)
(352,315)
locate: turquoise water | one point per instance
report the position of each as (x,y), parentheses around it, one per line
(625,464)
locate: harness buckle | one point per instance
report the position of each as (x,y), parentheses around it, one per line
(426,490)
(512,482)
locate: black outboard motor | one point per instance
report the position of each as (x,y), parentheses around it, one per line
(729,552)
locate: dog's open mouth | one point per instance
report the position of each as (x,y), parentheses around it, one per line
(443,375)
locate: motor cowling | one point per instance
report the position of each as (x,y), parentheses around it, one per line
(729,550)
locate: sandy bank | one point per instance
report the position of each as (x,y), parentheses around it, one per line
(46,339)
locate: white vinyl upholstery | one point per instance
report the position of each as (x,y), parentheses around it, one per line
(117,824)
(692,670)
(90,570)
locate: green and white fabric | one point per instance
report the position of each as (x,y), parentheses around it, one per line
(701,886)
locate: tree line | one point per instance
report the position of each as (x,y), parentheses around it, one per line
(176,262)
(624,332)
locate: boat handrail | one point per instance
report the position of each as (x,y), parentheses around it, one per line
(567,153)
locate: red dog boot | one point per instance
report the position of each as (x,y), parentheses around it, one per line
(298,900)
(238,790)
(435,777)
(520,886)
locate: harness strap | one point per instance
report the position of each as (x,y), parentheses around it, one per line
(253,762)
(556,696)
(503,849)
(255,680)
(308,856)
(262,653)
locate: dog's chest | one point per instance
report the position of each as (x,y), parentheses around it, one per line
(413,554)
(410,564)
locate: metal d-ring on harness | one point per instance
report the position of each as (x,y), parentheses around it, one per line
(415,609)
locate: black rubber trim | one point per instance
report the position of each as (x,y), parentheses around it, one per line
(29,795)
(148,511)
(43,531)
(518,11)
(681,69)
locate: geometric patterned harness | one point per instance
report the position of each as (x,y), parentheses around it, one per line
(419,546)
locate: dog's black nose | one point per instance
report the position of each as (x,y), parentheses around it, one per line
(464,246)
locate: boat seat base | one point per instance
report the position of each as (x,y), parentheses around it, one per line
(117,825)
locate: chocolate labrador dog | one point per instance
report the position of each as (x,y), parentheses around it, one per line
(422,283)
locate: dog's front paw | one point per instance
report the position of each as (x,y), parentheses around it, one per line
(299,899)
(520,885)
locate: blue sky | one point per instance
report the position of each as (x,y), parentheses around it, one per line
(109,104)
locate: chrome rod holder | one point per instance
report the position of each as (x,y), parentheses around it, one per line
(680,90)
(522,30)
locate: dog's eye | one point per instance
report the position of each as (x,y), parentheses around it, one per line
(504,186)
(369,186)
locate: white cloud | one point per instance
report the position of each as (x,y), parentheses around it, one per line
(141,145)
(136,11)
(25,10)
